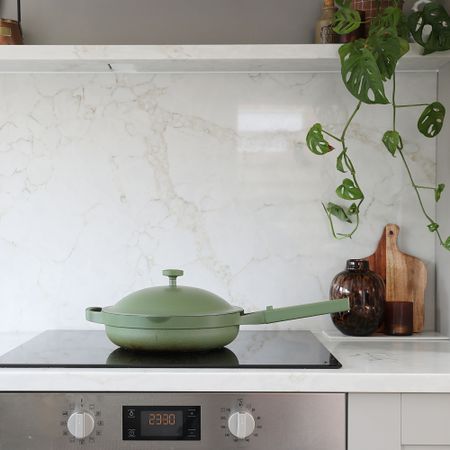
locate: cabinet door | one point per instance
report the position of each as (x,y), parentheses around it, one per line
(426,420)
(374,422)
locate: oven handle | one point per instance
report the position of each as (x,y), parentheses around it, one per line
(94,314)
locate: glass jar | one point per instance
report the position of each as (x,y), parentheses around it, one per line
(366,292)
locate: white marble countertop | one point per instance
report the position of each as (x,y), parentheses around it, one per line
(380,366)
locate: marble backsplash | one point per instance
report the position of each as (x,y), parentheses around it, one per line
(105,180)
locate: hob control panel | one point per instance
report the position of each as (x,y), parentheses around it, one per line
(175,421)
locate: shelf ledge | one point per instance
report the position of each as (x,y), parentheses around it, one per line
(191,58)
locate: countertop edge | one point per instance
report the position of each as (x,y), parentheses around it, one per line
(374,368)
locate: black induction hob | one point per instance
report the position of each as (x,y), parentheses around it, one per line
(251,349)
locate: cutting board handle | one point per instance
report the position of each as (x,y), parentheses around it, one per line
(392,232)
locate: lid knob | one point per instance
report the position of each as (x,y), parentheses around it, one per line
(172,274)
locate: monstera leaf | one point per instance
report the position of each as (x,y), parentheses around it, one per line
(349,191)
(361,74)
(340,162)
(432,16)
(316,142)
(390,17)
(431,120)
(433,226)
(338,211)
(346,20)
(353,209)
(438,191)
(392,141)
(447,243)
(387,49)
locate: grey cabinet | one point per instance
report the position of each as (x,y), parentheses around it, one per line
(399,422)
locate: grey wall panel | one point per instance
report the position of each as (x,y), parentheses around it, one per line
(166,21)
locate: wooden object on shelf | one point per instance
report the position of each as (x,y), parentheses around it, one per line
(405,276)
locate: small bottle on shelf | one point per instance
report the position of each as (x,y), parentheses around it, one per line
(324,26)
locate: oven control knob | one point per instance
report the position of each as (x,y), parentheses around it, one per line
(241,424)
(81,424)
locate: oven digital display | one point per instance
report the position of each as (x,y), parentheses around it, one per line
(156,423)
(162,423)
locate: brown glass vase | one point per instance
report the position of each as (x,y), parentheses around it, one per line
(366,292)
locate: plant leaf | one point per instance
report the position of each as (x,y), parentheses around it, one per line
(447,243)
(353,209)
(392,141)
(386,48)
(431,120)
(433,226)
(438,191)
(348,191)
(435,16)
(340,163)
(338,211)
(390,17)
(316,142)
(346,20)
(360,73)
(403,28)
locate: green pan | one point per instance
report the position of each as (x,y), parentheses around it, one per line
(182,318)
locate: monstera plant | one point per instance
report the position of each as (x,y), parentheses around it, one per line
(367,65)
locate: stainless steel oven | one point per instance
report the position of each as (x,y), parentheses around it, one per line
(175,421)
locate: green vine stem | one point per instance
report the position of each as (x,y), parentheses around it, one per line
(331,135)
(432,225)
(425,187)
(351,169)
(411,105)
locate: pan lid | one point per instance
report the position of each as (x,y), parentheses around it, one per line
(172,301)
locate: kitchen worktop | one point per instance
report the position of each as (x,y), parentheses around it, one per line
(378,366)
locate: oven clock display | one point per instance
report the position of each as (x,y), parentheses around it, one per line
(162,423)
(163,418)
(156,423)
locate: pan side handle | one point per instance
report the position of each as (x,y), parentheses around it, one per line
(94,314)
(271,315)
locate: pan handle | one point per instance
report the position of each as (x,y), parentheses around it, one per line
(270,314)
(94,314)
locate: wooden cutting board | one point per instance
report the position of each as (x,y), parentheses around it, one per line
(404,275)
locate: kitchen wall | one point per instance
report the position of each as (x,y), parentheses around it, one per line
(166,21)
(107,179)
(169,21)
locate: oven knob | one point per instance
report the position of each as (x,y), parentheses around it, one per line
(241,424)
(81,424)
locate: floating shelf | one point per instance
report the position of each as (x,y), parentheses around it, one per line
(191,58)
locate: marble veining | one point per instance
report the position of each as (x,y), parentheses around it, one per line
(106,179)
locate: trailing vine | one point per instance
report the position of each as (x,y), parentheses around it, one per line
(366,66)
